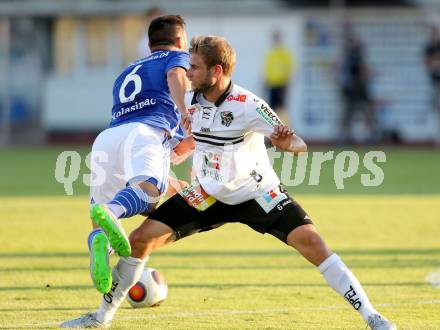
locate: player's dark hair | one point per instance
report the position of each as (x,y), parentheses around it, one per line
(164,30)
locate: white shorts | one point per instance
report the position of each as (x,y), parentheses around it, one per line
(128,153)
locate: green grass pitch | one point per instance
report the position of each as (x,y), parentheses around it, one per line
(232,277)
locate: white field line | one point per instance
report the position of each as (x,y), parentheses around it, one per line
(434,278)
(223,312)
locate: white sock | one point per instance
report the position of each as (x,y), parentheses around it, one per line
(116,209)
(125,274)
(343,281)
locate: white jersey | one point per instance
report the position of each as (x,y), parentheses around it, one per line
(230,158)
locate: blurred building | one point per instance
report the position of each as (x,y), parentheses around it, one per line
(58,59)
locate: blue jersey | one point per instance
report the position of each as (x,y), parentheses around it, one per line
(141,93)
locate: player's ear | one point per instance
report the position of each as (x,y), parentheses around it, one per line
(180,43)
(218,70)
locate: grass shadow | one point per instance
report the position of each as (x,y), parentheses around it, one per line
(232,253)
(46,289)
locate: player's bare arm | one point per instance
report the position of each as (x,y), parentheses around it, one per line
(179,84)
(285,139)
(175,186)
(183,150)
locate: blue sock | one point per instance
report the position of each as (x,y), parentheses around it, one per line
(134,201)
(92,236)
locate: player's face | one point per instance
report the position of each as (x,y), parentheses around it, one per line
(200,76)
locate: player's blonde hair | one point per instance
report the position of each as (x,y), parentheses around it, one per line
(214,50)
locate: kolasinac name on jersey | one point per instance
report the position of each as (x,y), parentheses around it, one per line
(136,106)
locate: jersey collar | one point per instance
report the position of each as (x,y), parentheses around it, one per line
(220,100)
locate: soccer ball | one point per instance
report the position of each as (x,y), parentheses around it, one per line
(150,291)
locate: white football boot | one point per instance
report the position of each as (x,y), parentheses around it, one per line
(378,322)
(85,321)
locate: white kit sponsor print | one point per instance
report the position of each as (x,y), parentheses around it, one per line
(267,114)
(211,166)
(273,198)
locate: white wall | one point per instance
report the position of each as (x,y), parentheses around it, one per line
(81,102)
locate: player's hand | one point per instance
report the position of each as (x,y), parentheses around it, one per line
(185,122)
(281,137)
(175,186)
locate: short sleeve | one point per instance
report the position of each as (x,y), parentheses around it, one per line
(179,59)
(262,118)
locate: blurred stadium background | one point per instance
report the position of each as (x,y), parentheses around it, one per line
(58,60)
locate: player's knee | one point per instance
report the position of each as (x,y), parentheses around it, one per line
(313,240)
(149,189)
(136,237)
(141,243)
(305,237)
(151,194)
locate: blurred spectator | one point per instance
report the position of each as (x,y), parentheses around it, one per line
(278,68)
(354,79)
(150,14)
(432,63)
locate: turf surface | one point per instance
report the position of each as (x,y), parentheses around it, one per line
(232,277)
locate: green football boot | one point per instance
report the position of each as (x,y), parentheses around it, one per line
(105,219)
(100,270)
